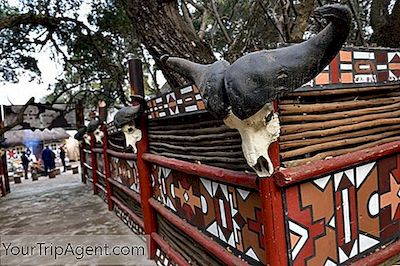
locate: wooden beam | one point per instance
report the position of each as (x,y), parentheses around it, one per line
(331,123)
(131,214)
(241,179)
(335,106)
(146,190)
(107,171)
(169,251)
(301,118)
(197,236)
(333,153)
(291,176)
(273,213)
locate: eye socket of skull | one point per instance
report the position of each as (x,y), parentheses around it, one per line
(269,117)
(130,129)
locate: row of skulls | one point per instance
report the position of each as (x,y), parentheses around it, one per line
(242,93)
(123,119)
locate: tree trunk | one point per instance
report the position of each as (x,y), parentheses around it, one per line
(382,23)
(164,31)
(304,10)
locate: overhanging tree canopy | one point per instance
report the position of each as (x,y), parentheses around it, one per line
(94,51)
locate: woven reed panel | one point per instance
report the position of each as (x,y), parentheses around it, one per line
(198,138)
(185,245)
(318,125)
(127,201)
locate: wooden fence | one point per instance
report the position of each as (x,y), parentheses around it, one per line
(333,200)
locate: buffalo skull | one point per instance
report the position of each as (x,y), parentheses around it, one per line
(132,135)
(257,133)
(98,135)
(80,135)
(242,93)
(87,138)
(125,119)
(94,127)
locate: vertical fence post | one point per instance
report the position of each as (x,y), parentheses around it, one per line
(3,161)
(4,183)
(82,156)
(80,122)
(107,172)
(2,188)
(103,119)
(2,170)
(150,224)
(273,213)
(94,163)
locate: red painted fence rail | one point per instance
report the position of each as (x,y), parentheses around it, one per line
(290,176)
(272,192)
(206,242)
(211,172)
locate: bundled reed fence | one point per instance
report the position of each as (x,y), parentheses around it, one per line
(314,127)
(197,138)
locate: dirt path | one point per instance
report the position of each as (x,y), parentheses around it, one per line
(60,206)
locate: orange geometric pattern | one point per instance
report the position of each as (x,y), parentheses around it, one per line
(338,218)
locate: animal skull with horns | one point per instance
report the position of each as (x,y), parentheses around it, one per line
(80,135)
(125,119)
(242,93)
(94,127)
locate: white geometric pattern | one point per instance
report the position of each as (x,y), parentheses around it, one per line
(322,182)
(366,242)
(303,233)
(362,172)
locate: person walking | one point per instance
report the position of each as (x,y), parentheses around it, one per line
(47,157)
(25,163)
(62,157)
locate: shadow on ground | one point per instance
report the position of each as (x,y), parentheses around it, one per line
(59,206)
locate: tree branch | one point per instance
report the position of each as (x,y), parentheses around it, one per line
(220,23)
(19,119)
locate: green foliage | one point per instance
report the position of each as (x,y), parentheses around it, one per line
(94,48)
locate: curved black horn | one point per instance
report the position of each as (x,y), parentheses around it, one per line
(93,125)
(80,133)
(186,68)
(259,77)
(208,78)
(126,115)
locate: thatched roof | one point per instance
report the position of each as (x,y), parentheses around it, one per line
(20,137)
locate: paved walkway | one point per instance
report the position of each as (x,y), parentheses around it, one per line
(60,206)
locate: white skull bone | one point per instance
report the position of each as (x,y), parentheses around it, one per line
(99,135)
(87,138)
(132,135)
(257,133)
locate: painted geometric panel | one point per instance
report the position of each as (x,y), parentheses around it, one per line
(100,162)
(88,158)
(125,172)
(182,100)
(162,259)
(102,195)
(335,219)
(353,65)
(128,221)
(231,215)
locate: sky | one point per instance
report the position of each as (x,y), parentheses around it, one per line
(19,93)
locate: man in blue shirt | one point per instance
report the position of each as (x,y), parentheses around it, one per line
(48,159)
